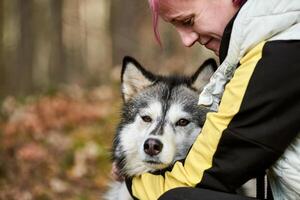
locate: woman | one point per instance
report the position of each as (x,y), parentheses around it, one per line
(255,93)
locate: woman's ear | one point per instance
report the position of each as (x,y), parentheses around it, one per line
(202,75)
(134,78)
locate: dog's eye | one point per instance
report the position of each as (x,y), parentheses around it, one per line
(146,118)
(182,122)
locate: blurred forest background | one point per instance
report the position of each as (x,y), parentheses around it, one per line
(60,64)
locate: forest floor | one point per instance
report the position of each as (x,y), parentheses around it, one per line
(57,146)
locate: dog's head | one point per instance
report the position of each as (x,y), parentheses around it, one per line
(160,119)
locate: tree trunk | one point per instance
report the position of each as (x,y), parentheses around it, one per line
(57,71)
(25,49)
(72,40)
(96,38)
(11,40)
(2,69)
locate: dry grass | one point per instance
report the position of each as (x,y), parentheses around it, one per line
(57,147)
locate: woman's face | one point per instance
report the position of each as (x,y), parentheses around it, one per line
(200,21)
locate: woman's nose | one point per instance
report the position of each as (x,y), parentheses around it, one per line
(188,38)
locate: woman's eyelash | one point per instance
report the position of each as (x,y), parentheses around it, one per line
(188,21)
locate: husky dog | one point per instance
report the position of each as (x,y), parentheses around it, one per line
(160,120)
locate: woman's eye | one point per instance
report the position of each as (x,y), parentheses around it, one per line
(188,22)
(147,119)
(182,122)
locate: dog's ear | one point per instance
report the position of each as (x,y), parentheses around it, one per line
(134,78)
(203,74)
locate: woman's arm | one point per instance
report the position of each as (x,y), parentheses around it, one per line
(258,117)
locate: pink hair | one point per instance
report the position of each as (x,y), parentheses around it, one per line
(154,5)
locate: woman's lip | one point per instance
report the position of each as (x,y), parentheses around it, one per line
(208,41)
(210,45)
(207,46)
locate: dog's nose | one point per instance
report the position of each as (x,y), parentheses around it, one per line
(152,147)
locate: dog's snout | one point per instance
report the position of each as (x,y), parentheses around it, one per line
(152,147)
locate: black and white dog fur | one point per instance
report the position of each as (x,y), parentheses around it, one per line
(160,120)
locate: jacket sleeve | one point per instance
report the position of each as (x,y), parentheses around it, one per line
(258,117)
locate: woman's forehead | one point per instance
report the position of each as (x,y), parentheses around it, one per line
(173,8)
